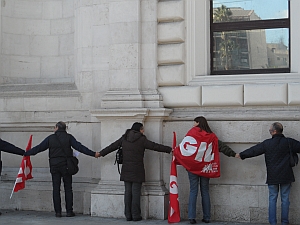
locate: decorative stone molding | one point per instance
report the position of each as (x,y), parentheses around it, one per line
(171,47)
(193,69)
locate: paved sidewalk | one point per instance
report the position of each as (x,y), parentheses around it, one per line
(10,217)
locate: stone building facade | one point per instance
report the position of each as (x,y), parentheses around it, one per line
(101,65)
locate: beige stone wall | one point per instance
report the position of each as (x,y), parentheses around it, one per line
(102,65)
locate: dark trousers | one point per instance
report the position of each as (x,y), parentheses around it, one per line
(58,173)
(132,199)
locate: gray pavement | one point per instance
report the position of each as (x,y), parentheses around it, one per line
(47,218)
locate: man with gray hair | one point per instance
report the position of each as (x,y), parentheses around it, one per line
(279,172)
(59,145)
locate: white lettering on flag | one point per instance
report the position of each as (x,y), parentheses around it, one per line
(173,185)
(186,147)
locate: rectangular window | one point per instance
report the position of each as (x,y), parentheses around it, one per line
(248,36)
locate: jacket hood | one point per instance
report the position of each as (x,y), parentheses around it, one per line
(133,135)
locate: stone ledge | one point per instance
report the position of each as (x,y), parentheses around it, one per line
(35,90)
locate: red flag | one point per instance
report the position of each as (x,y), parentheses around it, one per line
(198,153)
(174,210)
(24,171)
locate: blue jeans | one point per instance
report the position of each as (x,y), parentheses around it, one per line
(204,189)
(285,203)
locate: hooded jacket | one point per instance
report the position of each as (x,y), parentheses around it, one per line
(134,144)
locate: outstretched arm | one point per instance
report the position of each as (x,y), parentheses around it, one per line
(44,145)
(81,148)
(157,147)
(226,150)
(255,150)
(10,148)
(112,147)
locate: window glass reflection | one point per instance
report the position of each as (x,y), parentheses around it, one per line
(250,49)
(243,10)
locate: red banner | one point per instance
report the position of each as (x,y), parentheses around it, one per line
(174,210)
(199,153)
(25,170)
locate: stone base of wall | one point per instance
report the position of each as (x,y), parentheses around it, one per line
(37,196)
(107,200)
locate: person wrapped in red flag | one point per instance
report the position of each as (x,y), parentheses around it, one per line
(199,154)
(25,171)
(174,210)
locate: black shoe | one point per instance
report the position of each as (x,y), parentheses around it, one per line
(129,219)
(58,215)
(70,214)
(0,213)
(192,221)
(137,219)
(205,221)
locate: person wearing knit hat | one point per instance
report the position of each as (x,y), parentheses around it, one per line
(134,143)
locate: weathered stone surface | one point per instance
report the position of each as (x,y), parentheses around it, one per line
(97,65)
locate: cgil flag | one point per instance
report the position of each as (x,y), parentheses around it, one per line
(199,153)
(25,171)
(174,210)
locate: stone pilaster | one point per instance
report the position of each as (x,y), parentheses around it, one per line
(110,190)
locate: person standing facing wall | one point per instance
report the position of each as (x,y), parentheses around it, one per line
(134,143)
(280,174)
(57,143)
(202,128)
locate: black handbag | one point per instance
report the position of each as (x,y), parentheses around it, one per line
(119,156)
(293,157)
(72,161)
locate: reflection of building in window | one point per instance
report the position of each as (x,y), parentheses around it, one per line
(243,49)
(278,55)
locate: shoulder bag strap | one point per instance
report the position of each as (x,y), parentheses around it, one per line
(289,146)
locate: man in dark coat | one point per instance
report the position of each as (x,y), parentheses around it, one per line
(279,172)
(59,145)
(10,148)
(134,143)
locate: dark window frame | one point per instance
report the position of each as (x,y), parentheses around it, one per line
(247,25)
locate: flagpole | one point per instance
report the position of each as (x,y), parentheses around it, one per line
(12,192)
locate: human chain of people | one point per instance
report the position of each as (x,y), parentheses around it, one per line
(198,153)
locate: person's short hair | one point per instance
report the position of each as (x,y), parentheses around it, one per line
(61,125)
(137,126)
(278,127)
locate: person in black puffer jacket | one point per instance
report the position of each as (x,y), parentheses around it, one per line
(134,143)
(59,145)
(279,172)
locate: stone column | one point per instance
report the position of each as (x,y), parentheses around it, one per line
(107,197)
(132,96)
(124,55)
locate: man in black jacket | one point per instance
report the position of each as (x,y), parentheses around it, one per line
(10,148)
(59,145)
(279,172)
